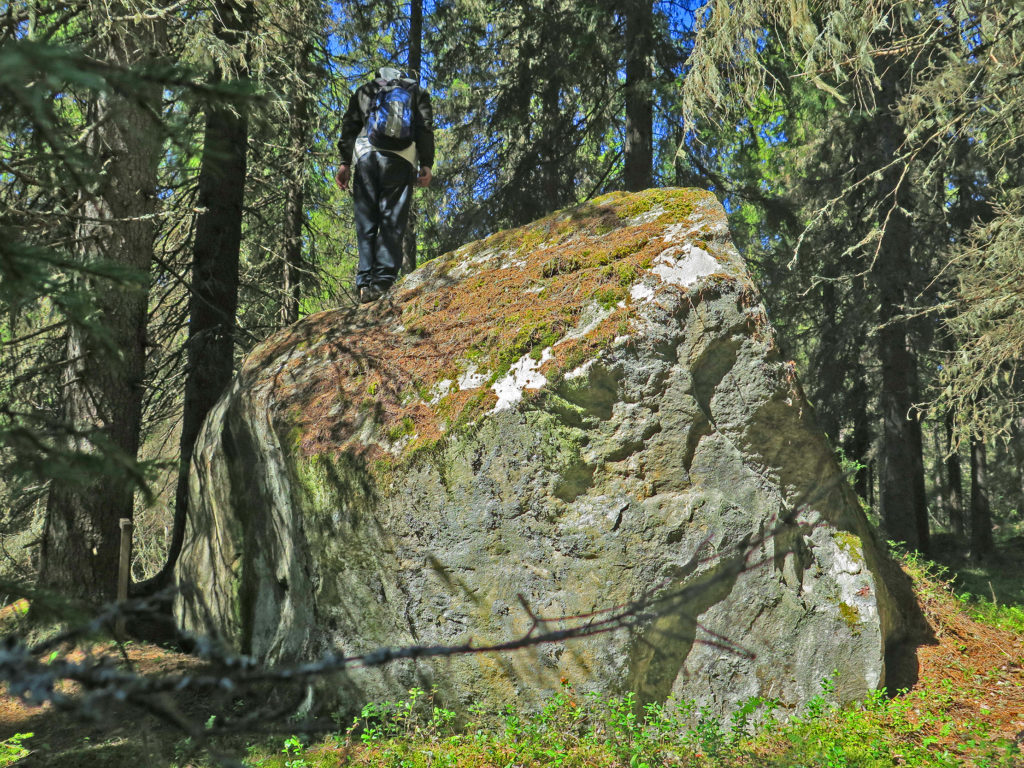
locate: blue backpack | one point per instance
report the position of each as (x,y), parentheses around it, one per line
(389,124)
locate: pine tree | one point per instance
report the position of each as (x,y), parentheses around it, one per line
(214,297)
(856,114)
(102,384)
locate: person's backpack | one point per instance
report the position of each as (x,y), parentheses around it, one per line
(389,124)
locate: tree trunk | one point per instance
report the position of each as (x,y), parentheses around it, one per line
(550,182)
(872,474)
(639,152)
(103,382)
(1017,449)
(214,299)
(683,174)
(858,445)
(294,220)
(901,477)
(901,485)
(415,55)
(955,482)
(917,477)
(415,38)
(298,148)
(981,515)
(525,203)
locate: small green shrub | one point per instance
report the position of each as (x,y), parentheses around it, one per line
(402,429)
(578,731)
(293,747)
(12,749)
(609,297)
(1009,617)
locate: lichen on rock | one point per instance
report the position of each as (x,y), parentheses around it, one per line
(583,413)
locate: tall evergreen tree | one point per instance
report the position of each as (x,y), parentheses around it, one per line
(901,499)
(847,109)
(538,124)
(214,297)
(101,389)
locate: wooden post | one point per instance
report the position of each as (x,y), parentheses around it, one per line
(124,570)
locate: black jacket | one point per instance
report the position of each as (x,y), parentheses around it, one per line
(354,121)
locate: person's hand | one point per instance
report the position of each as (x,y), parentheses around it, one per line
(341,178)
(423,180)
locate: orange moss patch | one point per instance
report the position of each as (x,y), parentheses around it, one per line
(495,301)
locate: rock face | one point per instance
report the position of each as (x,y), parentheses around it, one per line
(572,416)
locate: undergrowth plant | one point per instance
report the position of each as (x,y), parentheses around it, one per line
(12,749)
(573,730)
(933,580)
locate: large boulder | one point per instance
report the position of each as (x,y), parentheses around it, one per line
(580,415)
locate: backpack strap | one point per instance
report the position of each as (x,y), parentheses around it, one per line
(405,82)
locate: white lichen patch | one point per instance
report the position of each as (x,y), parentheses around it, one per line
(708,226)
(467,267)
(641,292)
(684,265)
(646,216)
(524,374)
(855,585)
(439,391)
(472,379)
(581,370)
(845,562)
(396,448)
(366,431)
(592,316)
(680,231)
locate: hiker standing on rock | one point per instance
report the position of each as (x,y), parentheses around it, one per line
(387,133)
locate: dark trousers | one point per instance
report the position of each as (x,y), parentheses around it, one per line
(381,193)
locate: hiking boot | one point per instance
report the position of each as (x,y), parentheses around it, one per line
(368,293)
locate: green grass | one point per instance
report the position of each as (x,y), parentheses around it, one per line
(992,591)
(1008,617)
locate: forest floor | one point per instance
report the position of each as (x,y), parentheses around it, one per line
(966,708)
